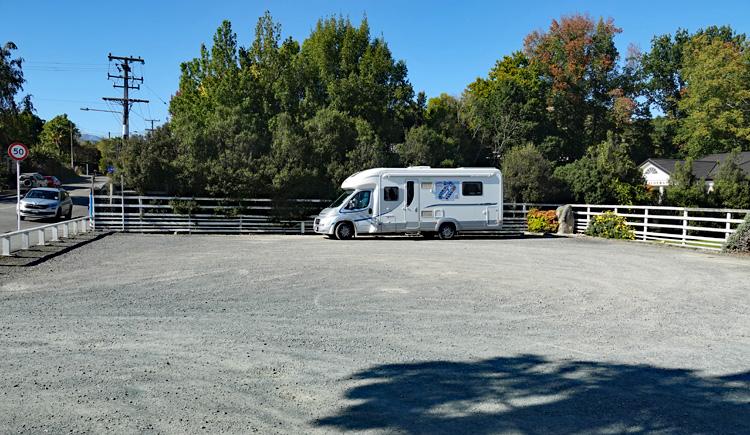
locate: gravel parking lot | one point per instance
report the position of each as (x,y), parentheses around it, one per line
(285,334)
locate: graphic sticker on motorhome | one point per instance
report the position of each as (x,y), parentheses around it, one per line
(446,190)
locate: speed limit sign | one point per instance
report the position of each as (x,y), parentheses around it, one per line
(18,151)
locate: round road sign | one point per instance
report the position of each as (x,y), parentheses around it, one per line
(18,151)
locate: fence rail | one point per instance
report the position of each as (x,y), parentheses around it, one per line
(158,214)
(706,228)
(58,230)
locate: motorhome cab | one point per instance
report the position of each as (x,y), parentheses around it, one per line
(415,200)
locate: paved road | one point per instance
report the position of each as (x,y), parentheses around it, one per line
(272,334)
(78,191)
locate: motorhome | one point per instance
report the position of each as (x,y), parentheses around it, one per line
(415,200)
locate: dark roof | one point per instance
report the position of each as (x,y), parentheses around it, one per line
(706,167)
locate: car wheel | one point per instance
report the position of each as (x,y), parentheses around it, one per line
(344,231)
(58,214)
(446,231)
(70,213)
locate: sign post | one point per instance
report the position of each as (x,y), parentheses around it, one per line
(18,152)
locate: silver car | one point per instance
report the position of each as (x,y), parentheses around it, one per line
(45,202)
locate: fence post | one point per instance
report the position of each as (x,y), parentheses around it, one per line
(588,217)
(302,227)
(140,213)
(25,241)
(55,234)
(729,225)
(40,237)
(240,222)
(645,223)
(66,230)
(75,228)
(684,225)
(6,246)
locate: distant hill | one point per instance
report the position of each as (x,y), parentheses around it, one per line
(85,137)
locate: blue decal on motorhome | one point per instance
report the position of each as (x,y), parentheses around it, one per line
(446,190)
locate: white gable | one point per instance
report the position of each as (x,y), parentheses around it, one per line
(654,176)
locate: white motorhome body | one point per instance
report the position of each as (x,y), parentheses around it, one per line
(415,200)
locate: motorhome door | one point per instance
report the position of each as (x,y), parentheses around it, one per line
(411,205)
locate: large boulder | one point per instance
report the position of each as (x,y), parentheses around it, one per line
(566,219)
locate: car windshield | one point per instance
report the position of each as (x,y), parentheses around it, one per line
(340,200)
(42,194)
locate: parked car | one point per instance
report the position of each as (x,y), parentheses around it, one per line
(45,202)
(53,181)
(31,180)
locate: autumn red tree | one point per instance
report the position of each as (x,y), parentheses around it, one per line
(578,58)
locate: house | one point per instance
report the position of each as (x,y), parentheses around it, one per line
(657,172)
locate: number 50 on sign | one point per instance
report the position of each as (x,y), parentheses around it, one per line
(18,151)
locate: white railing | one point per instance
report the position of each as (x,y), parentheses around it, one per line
(706,228)
(154,214)
(24,238)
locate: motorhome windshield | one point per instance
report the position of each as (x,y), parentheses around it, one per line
(340,200)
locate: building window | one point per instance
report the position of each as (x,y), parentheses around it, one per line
(390,193)
(471,188)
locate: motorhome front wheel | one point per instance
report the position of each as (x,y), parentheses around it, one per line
(344,231)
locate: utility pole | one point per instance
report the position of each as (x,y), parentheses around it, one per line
(152,123)
(72,167)
(128,83)
(127,78)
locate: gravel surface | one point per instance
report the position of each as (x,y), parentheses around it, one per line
(285,334)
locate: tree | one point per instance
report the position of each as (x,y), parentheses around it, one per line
(605,175)
(732,184)
(147,162)
(685,190)
(52,151)
(717,96)
(425,146)
(577,57)
(506,109)
(527,175)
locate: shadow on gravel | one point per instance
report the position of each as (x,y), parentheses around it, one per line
(39,254)
(530,394)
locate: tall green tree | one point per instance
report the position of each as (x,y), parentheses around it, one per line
(716,98)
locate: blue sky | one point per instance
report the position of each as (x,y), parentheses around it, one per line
(446,44)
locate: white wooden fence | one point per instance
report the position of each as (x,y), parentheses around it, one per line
(158,214)
(706,228)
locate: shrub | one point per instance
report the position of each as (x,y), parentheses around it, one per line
(542,221)
(610,226)
(183,206)
(739,241)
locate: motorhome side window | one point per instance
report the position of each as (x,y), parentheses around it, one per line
(390,193)
(360,200)
(471,188)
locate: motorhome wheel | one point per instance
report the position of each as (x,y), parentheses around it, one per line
(344,231)
(447,231)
